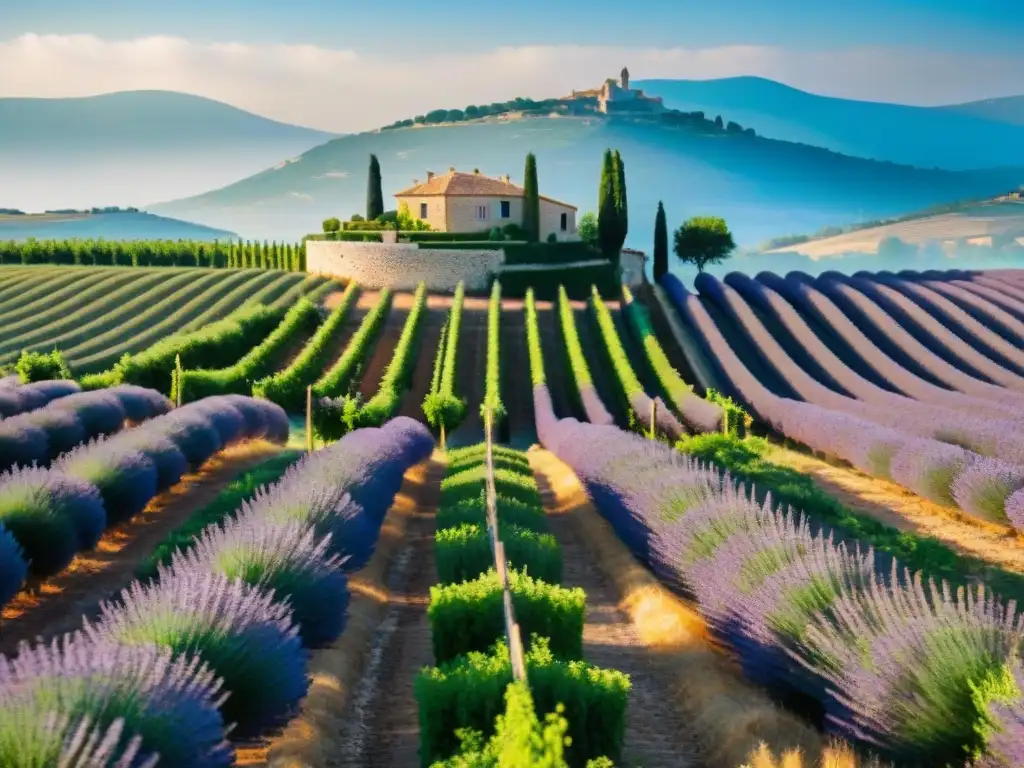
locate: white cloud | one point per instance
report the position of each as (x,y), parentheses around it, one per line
(342,91)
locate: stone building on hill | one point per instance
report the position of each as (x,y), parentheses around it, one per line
(472,202)
(616,97)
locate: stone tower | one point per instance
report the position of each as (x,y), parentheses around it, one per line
(625,78)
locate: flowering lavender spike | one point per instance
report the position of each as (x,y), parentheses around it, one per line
(171,705)
(245,636)
(90,747)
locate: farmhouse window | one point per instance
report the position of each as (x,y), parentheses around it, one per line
(423,210)
(506,209)
(565,221)
(481,213)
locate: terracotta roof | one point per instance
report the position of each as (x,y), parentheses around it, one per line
(455,183)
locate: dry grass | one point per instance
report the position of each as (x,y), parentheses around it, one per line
(893,505)
(731,718)
(833,757)
(312,738)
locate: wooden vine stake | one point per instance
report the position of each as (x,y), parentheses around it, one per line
(309,419)
(654,416)
(177,381)
(443,444)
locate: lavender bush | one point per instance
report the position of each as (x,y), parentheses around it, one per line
(928,468)
(165,705)
(1015,509)
(243,635)
(289,559)
(99,411)
(903,666)
(88,746)
(224,416)
(13,567)
(22,444)
(140,403)
(125,478)
(262,417)
(48,538)
(64,430)
(169,461)
(985,486)
(193,434)
(1006,739)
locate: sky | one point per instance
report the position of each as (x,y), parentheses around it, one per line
(346,66)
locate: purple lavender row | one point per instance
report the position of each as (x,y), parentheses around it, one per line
(41,435)
(53,513)
(16,397)
(241,606)
(904,666)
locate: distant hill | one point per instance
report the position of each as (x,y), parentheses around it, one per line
(763,187)
(1006,110)
(993,224)
(107,226)
(980,135)
(133,148)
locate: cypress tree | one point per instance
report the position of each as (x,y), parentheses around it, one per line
(607,214)
(531,203)
(374,194)
(660,244)
(621,208)
(263,254)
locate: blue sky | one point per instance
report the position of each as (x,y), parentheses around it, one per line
(395,58)
(982,26)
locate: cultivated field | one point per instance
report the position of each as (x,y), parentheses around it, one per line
(726,519)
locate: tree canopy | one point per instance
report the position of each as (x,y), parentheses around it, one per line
(374,193)
(704,240)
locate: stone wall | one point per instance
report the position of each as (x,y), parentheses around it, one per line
(403,265)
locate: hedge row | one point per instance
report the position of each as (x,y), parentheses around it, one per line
(577,281)
(550,253)
(492,383)
(287,387)
(398,376)
(211,345)
(463,245)
(346,236)
(533,344)
(442,407)
(587,396)
(471,684)
(262,360)
(700,414)
(336,379)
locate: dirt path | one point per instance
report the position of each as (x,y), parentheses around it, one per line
(554,361)
(423,371)
(597,361)
(656,734)
(890,504)
(383,351)
(470,373)
(516,391)
(360,710)
(58,604)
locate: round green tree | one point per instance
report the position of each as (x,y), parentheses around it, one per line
(703,240)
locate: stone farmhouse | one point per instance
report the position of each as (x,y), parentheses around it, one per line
(472,202)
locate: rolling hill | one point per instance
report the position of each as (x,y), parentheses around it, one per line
(979,135)
(133,148)
(763,187)
(106,226)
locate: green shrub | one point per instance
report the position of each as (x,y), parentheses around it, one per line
(474,511)
(551,252)
(533,341)
(346,236)
(622,367)
(41,366)
(336,380)
(577,281)
(470,616)
(444,237)
(261,361)
(397,378)
(461,245)
(210,346)
(492,393)
(442,407)
(465,484)
(468,692)
(474,456)
(332,224)
(464,552)
(287,388)
(736,420)
(102,380)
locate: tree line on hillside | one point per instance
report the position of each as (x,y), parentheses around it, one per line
(157,253)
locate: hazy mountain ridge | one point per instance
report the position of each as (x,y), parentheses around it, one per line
(133,147)
(763,187)
(985,134)
(125,225)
